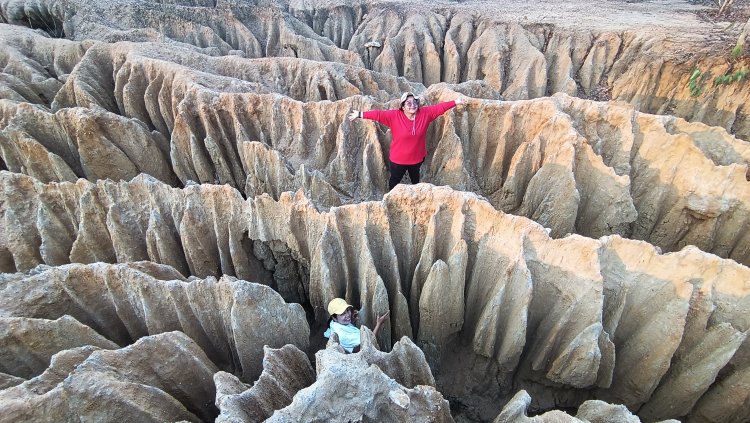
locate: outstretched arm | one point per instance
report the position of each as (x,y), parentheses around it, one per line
(354,114)
(383,116)
(434,111)
(379,323)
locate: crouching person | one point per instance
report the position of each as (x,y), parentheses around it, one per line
(344,320)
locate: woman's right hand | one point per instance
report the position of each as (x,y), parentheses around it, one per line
(382,318)
(353,114)
(379,322)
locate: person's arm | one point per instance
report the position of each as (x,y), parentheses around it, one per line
(355,114)
(379,323)
(434,111)
(382,116)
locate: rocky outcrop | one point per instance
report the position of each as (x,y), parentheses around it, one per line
(197,234)
(590,411)
(160,90)
(574,166)
(397,385)
(222,121)
(285,371)
(560,317)
(518,58)
(268,172)
(28,344)
(35,67)
(145,259)
(217,121)
(405,362)
(368,386)
(230,320)
(60,366)
(137,382)
(7,381)
(80,143)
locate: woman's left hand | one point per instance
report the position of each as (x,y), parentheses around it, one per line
(460,100)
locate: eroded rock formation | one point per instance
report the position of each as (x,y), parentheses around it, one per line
(29,344)
(576,312)
(285,371)
(137,382)
(368,386)
(227,318)
(218,167)
(574,166)
(518,58)
(590,411)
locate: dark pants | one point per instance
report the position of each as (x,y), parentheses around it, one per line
(398,171)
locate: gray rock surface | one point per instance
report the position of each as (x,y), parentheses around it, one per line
(28,344)
(359,387)
(137,383)
(219,167)
(231,320)
(576,313)
(285,371)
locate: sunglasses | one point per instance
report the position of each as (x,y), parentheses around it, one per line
(412,103)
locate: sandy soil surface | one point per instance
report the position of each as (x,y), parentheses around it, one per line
(678,20)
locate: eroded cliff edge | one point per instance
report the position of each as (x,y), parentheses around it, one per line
(231,106)
(573,165)
(574,315)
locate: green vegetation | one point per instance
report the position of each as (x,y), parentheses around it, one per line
(738,50)
(736,57)
(695,85)
(697,80)
(735,76)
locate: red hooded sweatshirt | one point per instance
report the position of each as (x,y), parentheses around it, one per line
(409,137)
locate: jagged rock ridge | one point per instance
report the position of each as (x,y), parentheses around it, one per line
(455,44)
(137,382)
(240,94)
(562,311)
(222,324)
(575,166)
(227,318)
(182,125)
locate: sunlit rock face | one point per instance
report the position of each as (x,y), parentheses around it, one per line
(368,386)
(573,165)
(480,291)
(182,195)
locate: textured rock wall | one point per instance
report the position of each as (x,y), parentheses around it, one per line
(197,131)
(575,166)
(368,386)
(199,128)
(125,303)
(171,336)
(574,312)
(519,60)
(217,167)
(285,372)
(136,383)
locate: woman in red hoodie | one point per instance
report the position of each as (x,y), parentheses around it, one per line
(408,125)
